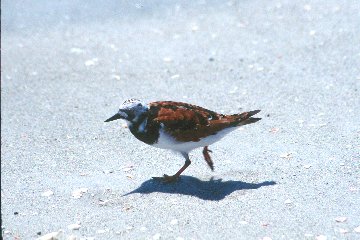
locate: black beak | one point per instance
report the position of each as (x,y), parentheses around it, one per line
(115,117)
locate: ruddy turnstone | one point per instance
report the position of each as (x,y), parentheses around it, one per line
(179,126)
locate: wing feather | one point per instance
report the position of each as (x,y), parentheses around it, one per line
(187,122)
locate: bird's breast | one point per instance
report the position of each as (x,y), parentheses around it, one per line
(147,133)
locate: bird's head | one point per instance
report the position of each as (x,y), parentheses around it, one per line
(130,111)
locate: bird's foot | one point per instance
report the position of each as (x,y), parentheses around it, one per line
(167,178)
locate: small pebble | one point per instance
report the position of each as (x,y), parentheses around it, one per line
(156,236)
(274,130)
(357,230)
(103,202)
(353,189)
(234,90)
(79,192)
(175,76)
(72,237)
(74,226)
(117,77)
(101,231)
(127,208)
(336,9)
(340,219)
(113,47)
(288,201)
(307,7)
(91,62)
(286,155)
(321,237)
(16,213)
(52,236)
(127,169)
(47,193)
(76,50)
(174,222)
(167,59)
(143,229)
(343,231)
(307,166)
(266,238)
(195,28)
(130,176)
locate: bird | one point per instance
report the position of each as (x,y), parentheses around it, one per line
(179,126)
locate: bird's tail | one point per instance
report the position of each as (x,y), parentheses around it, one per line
(246,117)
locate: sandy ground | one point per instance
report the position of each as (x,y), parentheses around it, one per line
(67,66)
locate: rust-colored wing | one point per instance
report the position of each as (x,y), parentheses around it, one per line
(187,122)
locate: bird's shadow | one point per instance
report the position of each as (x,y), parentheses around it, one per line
(213,190)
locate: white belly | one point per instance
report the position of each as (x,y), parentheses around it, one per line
(166,141)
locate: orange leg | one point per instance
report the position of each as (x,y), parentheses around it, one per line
(175,177)
(208,158)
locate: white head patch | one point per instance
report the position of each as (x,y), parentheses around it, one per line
(132,108)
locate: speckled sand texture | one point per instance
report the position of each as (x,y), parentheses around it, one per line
(67,65)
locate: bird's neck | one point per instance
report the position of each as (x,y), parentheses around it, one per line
(143,130)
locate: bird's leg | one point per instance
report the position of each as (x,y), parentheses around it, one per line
(208,158)
(175,177)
